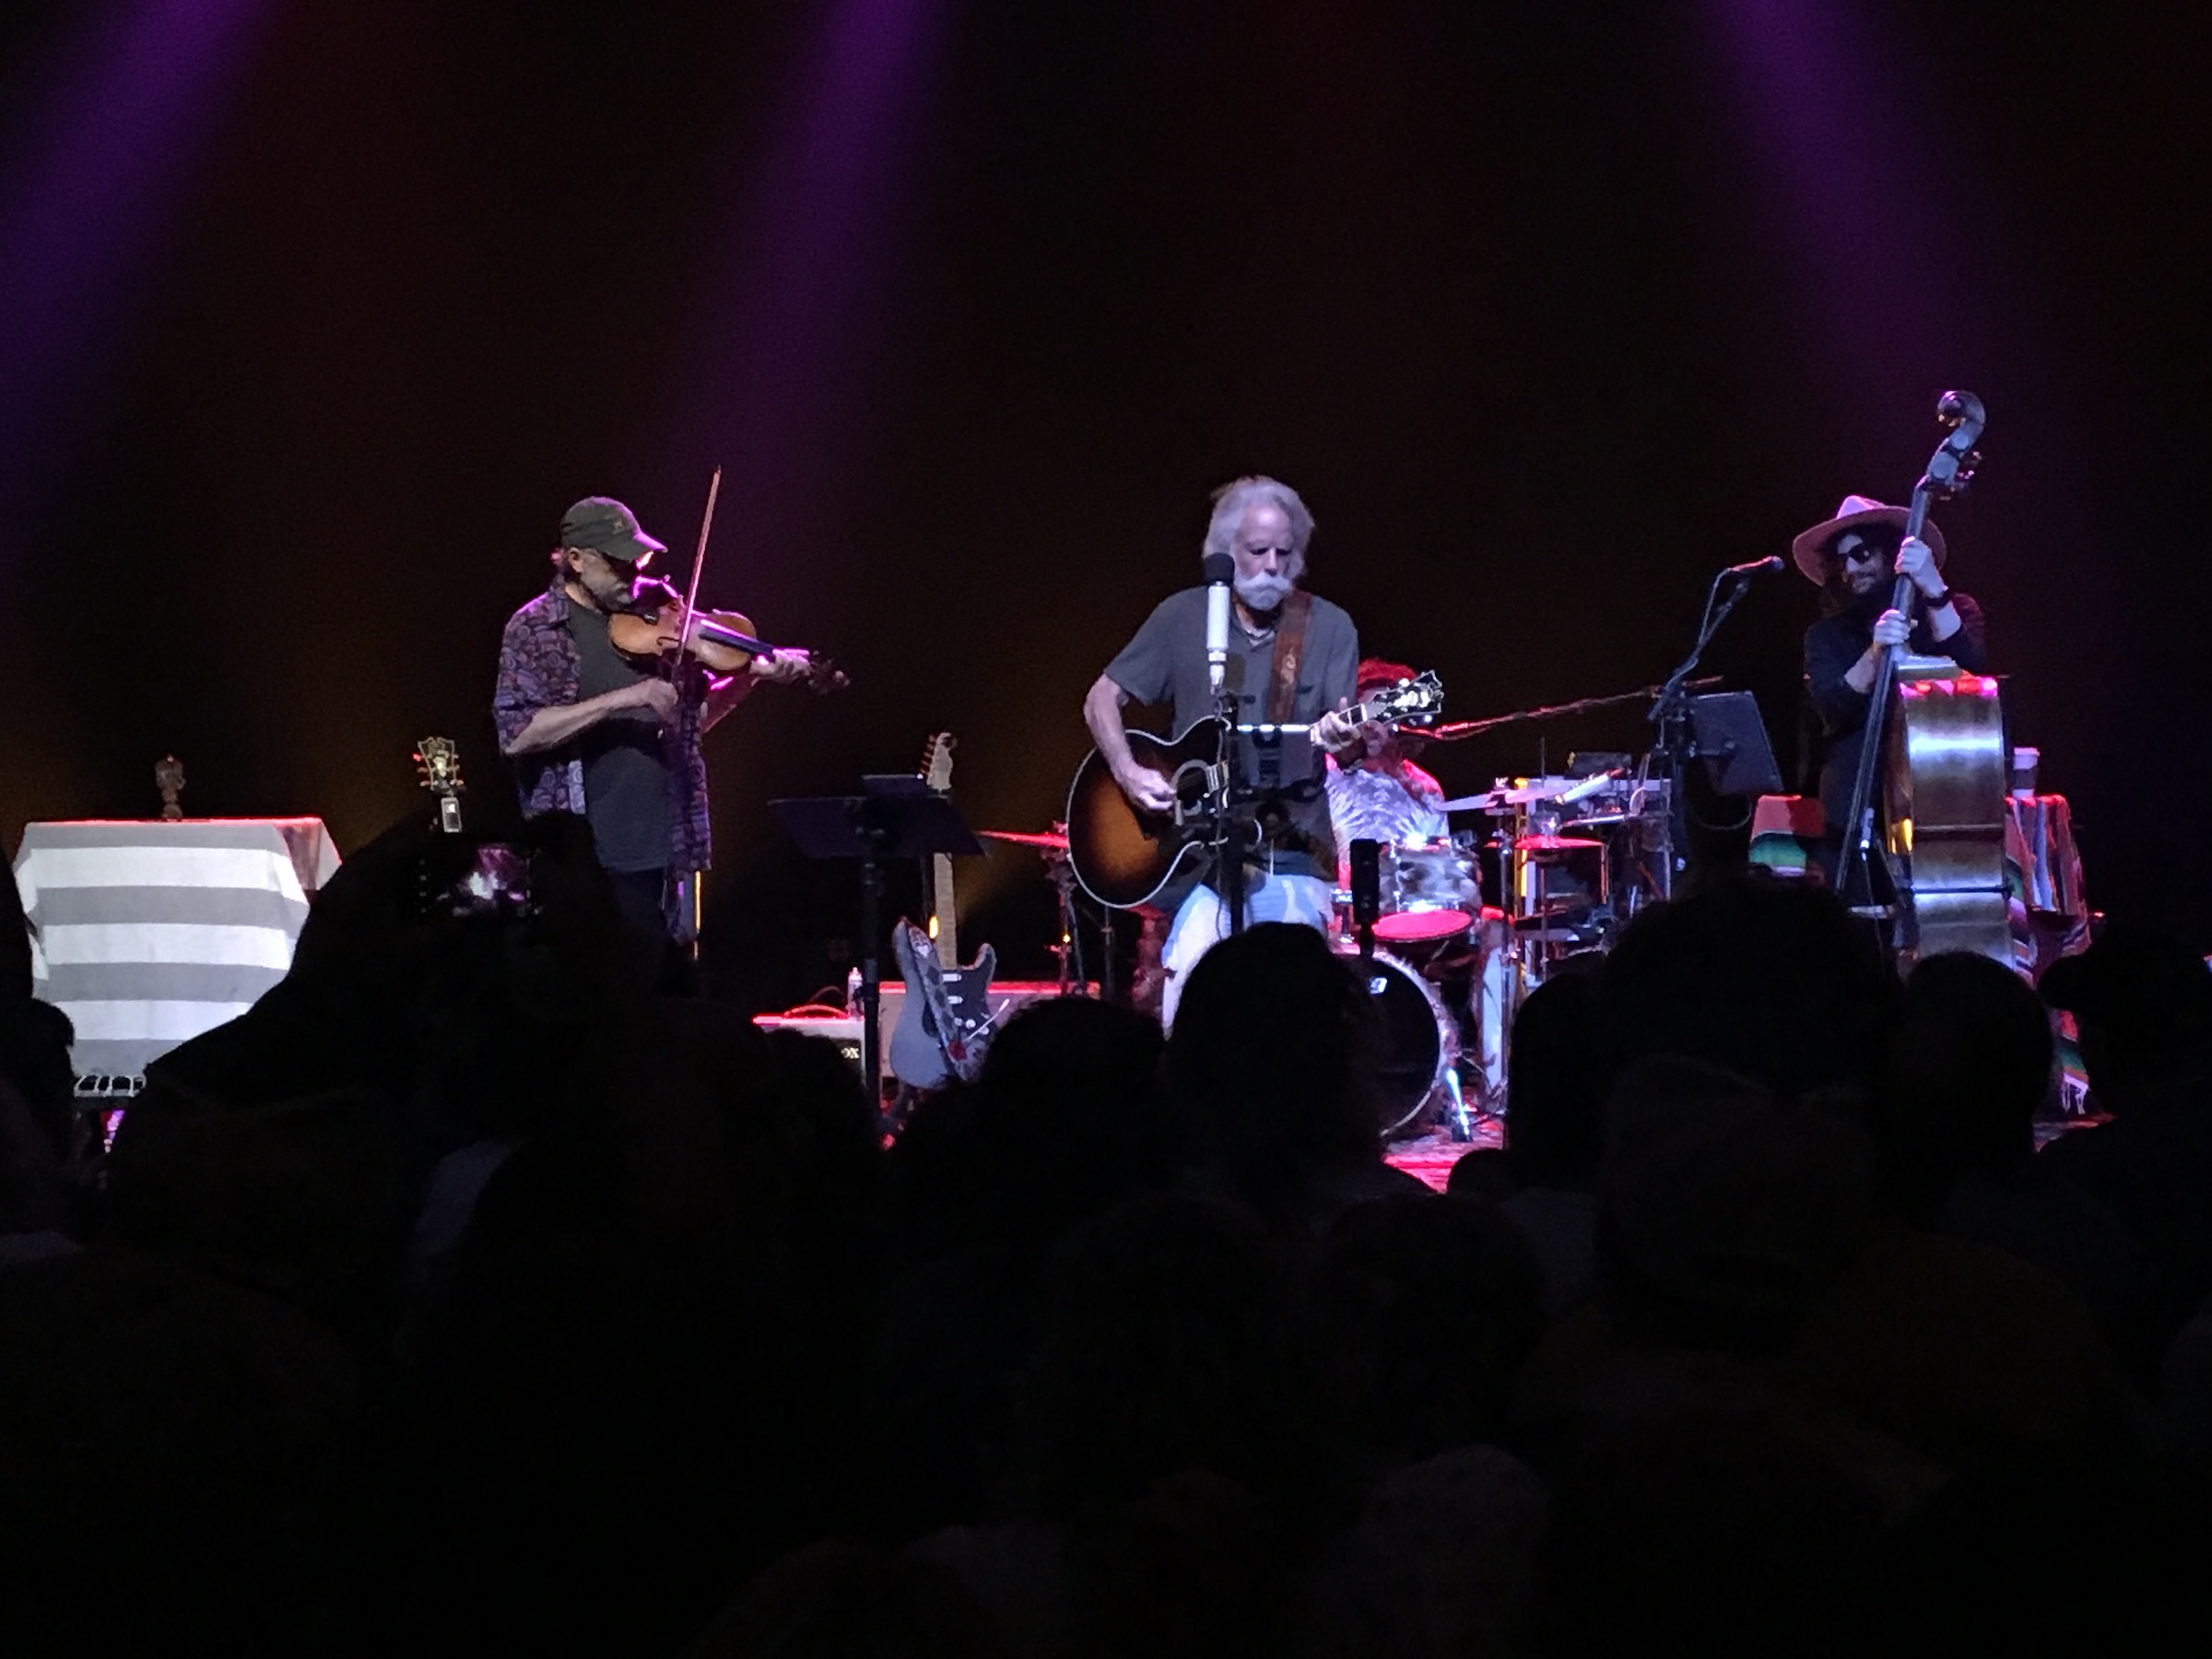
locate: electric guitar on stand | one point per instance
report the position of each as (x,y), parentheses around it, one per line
(945,1027)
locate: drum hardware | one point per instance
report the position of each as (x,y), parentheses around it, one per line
(1549,928)
(1067,950)
(1554,843)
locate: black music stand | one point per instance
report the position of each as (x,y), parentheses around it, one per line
(1728,736)
(899,816)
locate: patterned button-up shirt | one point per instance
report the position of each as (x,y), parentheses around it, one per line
(538,670)
(1372,805)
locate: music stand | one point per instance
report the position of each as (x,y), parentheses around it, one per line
(899,816)
(1728,736)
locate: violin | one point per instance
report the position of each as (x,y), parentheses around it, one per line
(721,641)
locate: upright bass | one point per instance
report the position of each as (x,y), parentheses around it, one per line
(1942,738)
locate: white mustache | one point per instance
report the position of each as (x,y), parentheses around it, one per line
(1263,593)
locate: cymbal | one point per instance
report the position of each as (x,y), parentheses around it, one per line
(1497,799)
(1028,838)
(1552,844)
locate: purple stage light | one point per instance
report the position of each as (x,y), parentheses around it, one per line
(94,168)
(1842,131)
(791,306)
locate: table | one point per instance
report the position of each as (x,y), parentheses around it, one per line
(148,931)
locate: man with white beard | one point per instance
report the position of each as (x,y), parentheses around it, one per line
(1277,629)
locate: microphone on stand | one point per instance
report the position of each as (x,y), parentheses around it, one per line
(1367,891)
(1220,570)
(1772,562)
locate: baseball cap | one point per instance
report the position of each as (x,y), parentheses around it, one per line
(605,526)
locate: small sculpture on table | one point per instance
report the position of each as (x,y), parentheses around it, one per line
(169,778)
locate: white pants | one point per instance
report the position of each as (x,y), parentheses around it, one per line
(1202,923)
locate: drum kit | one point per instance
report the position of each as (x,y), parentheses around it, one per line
(1571,857)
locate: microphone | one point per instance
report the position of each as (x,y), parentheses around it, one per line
(1367,889)
(1220,570)
(1772,562)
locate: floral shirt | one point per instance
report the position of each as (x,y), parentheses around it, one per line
(538,670)
(1372,805)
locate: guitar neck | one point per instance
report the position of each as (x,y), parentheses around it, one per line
(948,944)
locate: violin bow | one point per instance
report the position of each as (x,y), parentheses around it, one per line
(699,566)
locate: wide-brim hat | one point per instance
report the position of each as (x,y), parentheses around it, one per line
(1811,549)
(605,526)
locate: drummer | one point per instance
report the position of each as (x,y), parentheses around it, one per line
(1382,795)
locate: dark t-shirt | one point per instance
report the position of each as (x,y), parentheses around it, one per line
(1165,663)
(625,779)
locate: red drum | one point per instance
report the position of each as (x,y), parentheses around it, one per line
(1431,891)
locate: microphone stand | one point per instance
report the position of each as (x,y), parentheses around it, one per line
(1669,717)
(1455,730)
(1227,845)
(1229,837)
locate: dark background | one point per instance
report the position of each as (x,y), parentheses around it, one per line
(1550,311)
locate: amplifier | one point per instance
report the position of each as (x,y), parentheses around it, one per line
(1004,998)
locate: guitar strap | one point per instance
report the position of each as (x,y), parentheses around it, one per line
(1289,646)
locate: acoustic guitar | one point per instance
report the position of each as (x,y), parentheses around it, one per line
(945,1024)
(1124,856)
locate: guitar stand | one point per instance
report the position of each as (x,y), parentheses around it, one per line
(899,817)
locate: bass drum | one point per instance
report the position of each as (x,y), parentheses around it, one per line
(1415,1078)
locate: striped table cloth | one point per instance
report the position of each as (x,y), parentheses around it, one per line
(147,933)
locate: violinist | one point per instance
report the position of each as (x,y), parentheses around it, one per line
(1855,558)
(597,733)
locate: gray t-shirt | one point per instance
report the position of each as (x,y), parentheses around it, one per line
(625,774)
(1165,663)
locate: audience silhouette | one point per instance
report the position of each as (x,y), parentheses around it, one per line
(472,1292)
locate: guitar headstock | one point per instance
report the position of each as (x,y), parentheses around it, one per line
(1415,703)
(437,762)
(936,761)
